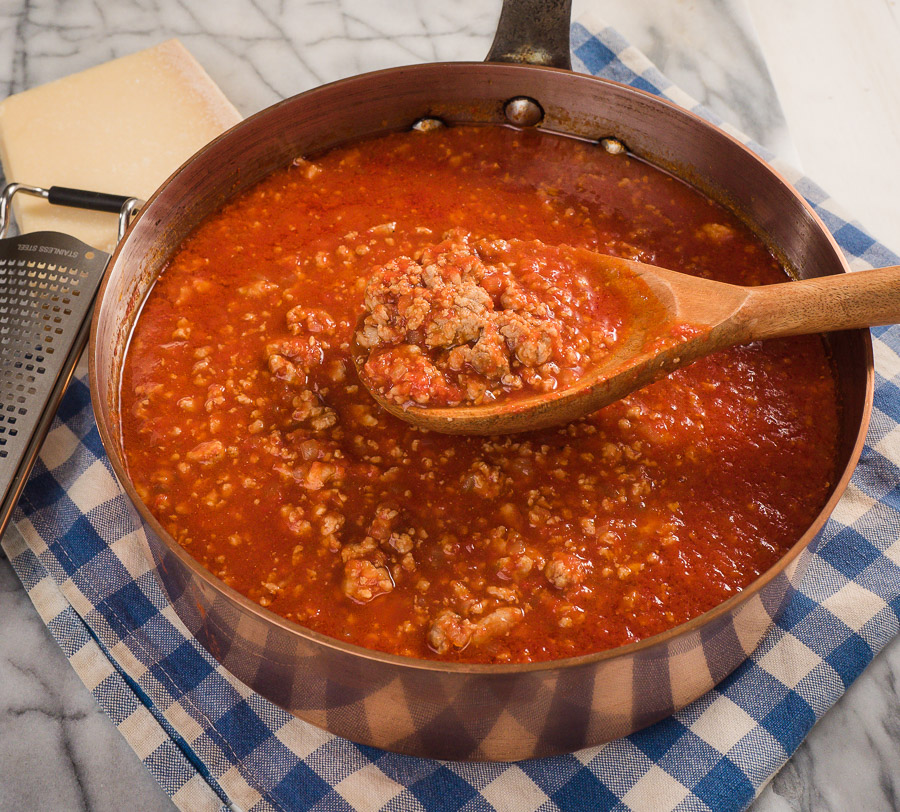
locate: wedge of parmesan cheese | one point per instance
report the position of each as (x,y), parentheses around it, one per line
(122,127)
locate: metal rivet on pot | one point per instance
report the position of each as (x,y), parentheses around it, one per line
(613,146)
(427,124)
(523,112)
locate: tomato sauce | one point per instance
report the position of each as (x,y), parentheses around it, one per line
(249,436)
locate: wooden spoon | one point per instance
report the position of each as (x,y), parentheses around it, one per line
(686,318)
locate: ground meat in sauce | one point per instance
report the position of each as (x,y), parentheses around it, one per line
(450,326)
(248,435)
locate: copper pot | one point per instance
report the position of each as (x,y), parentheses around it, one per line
(463,711)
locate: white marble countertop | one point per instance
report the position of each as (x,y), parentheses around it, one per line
(815,82)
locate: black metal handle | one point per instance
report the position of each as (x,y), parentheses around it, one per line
(82,199)
(533,32)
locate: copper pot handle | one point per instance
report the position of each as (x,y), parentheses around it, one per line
(533,32)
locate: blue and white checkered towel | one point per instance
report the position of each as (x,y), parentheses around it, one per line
(213,744)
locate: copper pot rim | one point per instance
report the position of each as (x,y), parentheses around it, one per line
(498,670)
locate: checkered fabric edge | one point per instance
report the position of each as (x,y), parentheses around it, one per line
(212,743)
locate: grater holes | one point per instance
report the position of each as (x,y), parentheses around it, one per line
(39,299)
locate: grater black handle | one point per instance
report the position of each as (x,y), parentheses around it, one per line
(82,199)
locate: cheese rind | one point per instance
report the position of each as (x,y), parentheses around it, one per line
(122,127)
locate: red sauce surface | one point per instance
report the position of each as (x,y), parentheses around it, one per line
(249,437)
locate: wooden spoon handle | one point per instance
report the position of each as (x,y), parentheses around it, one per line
(840,302)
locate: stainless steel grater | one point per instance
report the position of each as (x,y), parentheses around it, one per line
(48,282)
